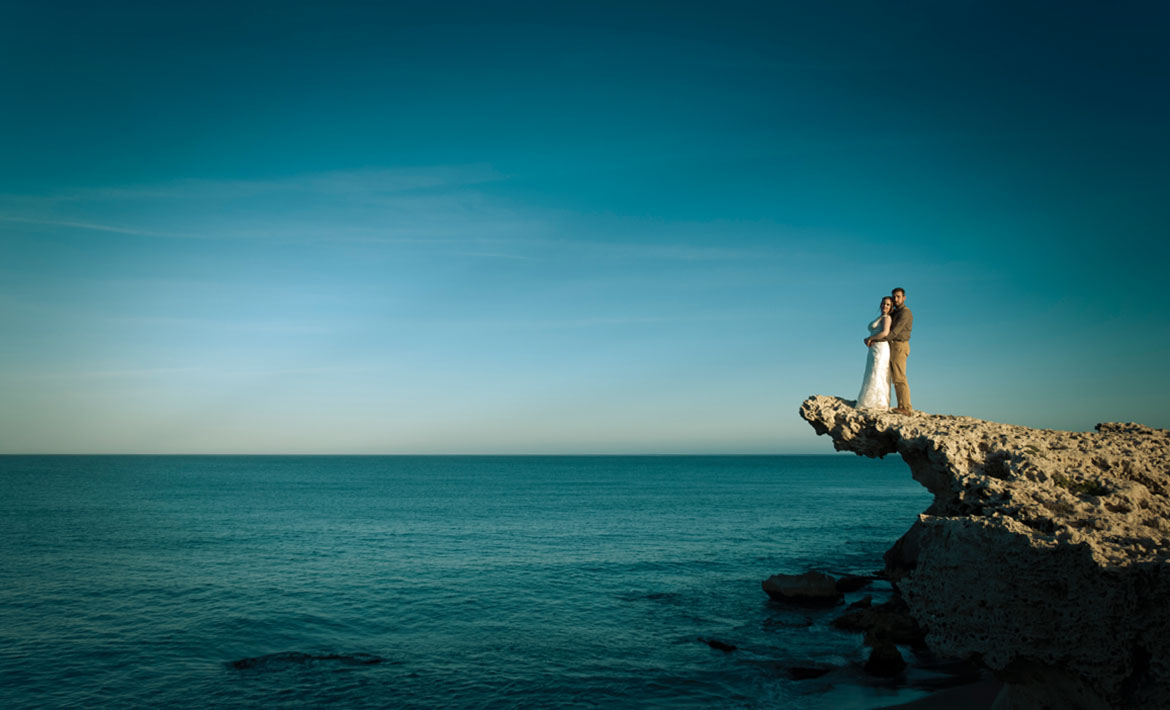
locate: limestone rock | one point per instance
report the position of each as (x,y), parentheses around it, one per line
(812,587)
(1044,553)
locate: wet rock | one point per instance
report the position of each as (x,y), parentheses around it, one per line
(885,660)
(890,621)
(863,603)
(812,588)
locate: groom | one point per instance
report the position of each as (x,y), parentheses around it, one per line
(901,322)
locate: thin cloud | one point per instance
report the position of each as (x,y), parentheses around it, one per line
(245,324)
(647,250)
(96,227)
(606,321)
(436,205)
(112,374)
(151,372)
(494,255)
(436,208)
(347,183)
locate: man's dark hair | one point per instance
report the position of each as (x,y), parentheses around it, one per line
(896,290)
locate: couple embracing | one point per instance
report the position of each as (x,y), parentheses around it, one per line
(889,345)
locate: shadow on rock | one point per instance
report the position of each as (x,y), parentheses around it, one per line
(890,622)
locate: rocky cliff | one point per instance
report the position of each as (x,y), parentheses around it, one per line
(1044,554)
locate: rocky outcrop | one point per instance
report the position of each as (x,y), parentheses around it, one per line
(811,588)
(1044,553)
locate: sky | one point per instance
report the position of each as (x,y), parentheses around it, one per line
(578,228)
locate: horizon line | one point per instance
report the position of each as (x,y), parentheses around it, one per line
(512,455)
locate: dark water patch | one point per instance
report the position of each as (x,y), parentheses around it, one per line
(276,661)
(787,621)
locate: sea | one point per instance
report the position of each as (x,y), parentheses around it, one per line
(440,581)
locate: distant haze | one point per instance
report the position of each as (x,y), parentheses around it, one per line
(606,228)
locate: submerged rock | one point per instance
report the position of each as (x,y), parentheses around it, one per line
(812,588)
(720,645)
(1044,553)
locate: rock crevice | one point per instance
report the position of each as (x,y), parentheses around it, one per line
(1044,553)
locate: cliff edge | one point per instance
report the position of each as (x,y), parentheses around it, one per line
(1044,554)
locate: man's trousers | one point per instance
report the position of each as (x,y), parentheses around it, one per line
(899,351)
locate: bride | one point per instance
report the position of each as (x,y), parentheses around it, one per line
(875,386)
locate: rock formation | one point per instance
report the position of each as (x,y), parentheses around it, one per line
(813,588)
(1044,554)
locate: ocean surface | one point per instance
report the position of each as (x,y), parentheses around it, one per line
(437,582)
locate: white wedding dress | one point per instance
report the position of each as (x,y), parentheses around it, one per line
(875,386)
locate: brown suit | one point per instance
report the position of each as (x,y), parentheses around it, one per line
(901,323)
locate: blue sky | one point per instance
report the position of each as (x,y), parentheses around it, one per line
(571,228)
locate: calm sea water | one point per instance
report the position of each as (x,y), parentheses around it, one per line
(482,582)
